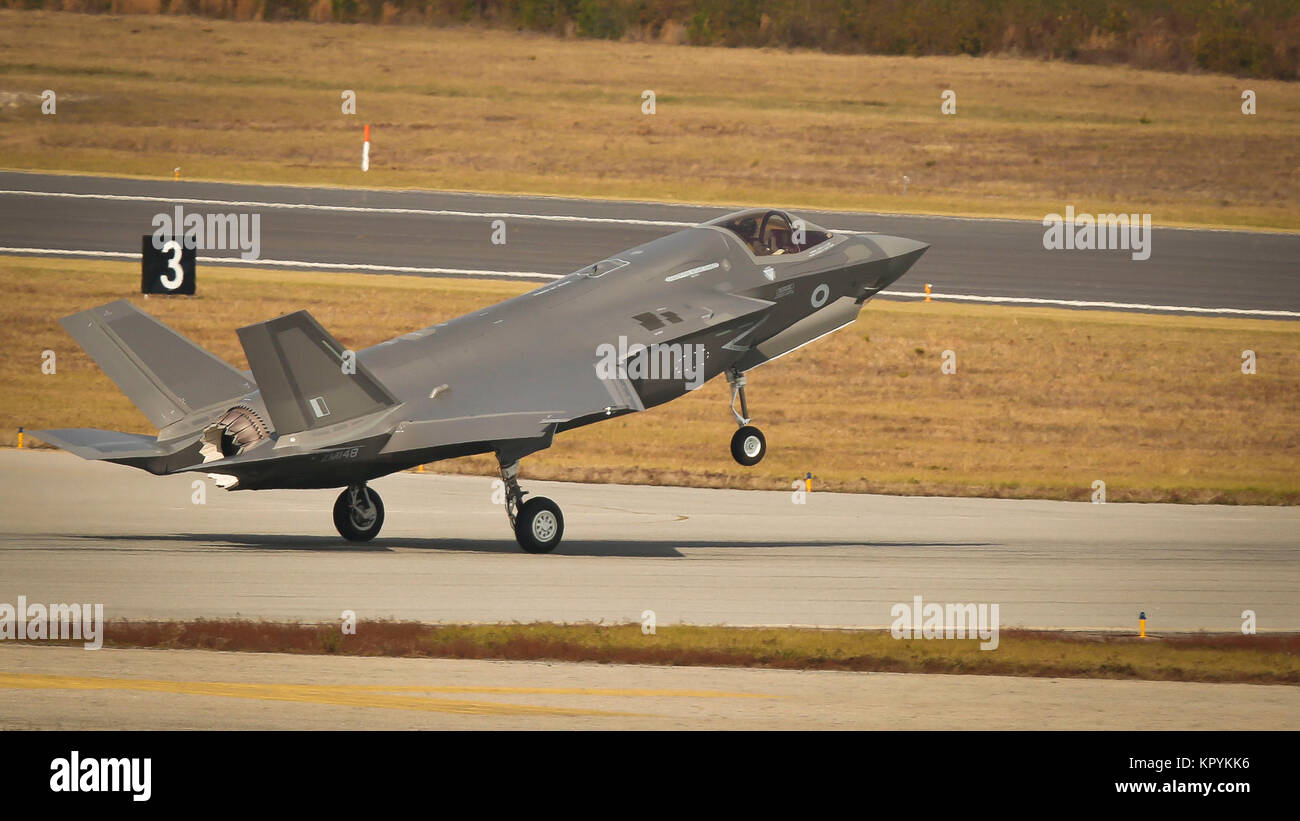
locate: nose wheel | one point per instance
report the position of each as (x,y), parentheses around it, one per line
(748,445)
(358,513)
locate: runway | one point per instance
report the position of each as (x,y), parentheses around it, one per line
(76,531)
(71,689)
(449,234)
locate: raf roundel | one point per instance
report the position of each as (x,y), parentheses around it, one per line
(820,294)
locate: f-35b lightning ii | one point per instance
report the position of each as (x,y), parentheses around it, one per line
(623,335)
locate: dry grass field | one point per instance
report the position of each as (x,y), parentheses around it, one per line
(1043,403)
(471,109)
(1258,659)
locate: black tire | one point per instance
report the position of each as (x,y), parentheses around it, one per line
(358,527)
(748,446)
(539,525)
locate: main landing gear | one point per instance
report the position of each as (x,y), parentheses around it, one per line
(748,445)
(538,523)
(358,513)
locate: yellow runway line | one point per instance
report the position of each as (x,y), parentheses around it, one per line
(577,691)
(338,695)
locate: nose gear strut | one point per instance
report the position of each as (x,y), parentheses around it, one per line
(748,445)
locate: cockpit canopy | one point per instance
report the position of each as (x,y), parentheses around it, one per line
(768,232)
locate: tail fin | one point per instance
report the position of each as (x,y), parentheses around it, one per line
(303,375)
(163,373)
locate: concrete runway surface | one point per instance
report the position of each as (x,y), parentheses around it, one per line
(76,531)
(424,230)
(73,689)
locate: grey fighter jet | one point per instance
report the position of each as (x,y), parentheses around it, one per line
(620,336)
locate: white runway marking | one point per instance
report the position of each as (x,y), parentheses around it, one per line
(548,217)
(292,263)
(307,206)
(1077,303)
(475,272)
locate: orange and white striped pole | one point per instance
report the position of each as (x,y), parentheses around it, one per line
(365,151)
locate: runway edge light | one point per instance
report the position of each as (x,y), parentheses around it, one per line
(927,292)
(20,437)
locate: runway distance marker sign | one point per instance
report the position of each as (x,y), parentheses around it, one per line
(167,269)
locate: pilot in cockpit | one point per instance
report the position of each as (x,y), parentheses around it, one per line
(747,230)
(774,233)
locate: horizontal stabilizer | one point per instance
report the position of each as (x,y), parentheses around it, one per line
(166,375)
(89,443)
(307,379)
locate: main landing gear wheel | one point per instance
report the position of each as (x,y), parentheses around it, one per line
(748,446)
(358,514)
(539,525)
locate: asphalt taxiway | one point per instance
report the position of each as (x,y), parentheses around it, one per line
(441,233)
(76,531)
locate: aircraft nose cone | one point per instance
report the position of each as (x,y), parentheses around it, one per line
(900,246)
(900,254)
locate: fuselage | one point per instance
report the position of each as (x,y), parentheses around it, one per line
(740,291)
(524,340)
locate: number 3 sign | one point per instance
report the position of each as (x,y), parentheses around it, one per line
(167,270)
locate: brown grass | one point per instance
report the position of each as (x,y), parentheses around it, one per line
(502,111)
(1260,659)
(1044,401)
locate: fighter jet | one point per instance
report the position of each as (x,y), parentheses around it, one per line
(619,336)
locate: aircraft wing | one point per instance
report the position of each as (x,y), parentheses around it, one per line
(488,428)
(432,391)
(553,385)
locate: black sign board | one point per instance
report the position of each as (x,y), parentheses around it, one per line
(168,269)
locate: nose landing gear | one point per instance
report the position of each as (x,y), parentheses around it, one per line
(748,445)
